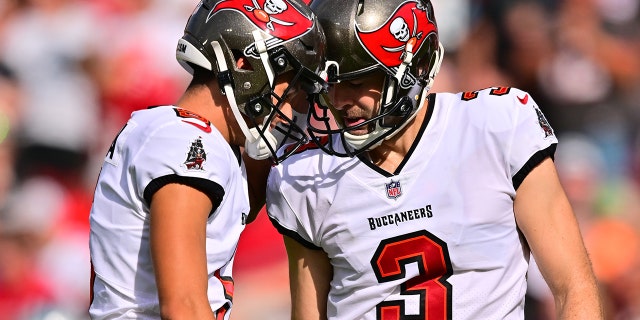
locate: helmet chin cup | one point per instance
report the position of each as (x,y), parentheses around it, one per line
(258,148)
(359,143)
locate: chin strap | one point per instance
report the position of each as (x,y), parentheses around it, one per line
(436,66)
(261,48)
(408,56)
(255,147)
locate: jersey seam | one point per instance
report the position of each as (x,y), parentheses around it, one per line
(510,142)
(296,213)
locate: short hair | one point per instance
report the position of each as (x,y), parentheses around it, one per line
(201,76)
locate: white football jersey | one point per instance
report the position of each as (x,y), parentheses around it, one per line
(158,146)
(437,239)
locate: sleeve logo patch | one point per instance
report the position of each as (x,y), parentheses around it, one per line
(196,157)
(544,124)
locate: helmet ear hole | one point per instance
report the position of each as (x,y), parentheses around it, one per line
(242,62)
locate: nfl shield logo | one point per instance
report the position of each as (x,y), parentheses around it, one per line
(393,189)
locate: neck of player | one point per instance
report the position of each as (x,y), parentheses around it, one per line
(390,154)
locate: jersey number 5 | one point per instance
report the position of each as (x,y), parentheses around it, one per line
(432,258)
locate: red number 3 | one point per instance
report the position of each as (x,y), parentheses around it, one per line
(432,257)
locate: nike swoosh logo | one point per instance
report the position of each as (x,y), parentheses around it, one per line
(206,129)
(524,100)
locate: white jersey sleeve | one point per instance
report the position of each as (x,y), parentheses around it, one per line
(156,164)
(291,211)
(533,137)
(514,128)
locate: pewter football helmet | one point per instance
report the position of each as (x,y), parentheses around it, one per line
(276,36)
(396,37)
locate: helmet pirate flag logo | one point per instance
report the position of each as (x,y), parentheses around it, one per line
(276,17)
(409,25)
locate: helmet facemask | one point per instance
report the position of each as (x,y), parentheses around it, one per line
(397,108)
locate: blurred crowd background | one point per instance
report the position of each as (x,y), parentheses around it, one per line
(72,71)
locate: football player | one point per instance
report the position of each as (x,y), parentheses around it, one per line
(416,205)
(173,197)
